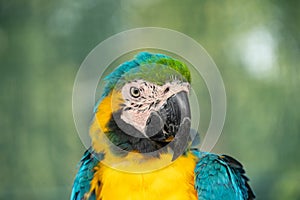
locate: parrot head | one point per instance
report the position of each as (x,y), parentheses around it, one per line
(144,107)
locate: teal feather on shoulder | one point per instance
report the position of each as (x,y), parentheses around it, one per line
(220,177)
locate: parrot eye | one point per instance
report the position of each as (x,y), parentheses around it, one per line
(134,92)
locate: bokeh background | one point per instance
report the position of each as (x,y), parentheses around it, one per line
(255,44)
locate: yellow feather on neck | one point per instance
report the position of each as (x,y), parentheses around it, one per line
(98,128)
(174,182)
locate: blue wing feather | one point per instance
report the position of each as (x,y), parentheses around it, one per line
(84,175)
(220,177)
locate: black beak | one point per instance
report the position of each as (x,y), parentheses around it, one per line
(171,124)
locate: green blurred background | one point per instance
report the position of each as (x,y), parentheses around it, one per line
(255,44)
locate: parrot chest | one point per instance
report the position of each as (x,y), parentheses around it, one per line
(173,182)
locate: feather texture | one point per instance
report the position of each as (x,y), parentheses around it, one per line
(220,177)
(85,174)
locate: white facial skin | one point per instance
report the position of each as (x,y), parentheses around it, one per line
(142,97)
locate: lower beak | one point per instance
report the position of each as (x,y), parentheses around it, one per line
(171,123)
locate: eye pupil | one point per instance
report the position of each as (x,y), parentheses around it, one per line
(135,92)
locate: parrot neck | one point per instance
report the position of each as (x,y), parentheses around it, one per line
(177,179)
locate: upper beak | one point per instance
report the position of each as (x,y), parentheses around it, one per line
(171,123)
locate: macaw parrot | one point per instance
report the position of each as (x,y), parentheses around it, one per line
(141,142)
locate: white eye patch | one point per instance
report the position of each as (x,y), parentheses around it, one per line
(141,98)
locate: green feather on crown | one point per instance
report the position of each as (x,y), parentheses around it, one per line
(147,66)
